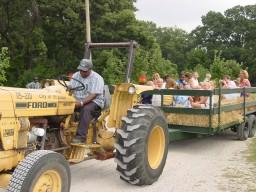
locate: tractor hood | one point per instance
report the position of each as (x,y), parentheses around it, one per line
(6,103)
(53,100)
(138,89)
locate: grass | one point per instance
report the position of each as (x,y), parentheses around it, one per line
(252,151)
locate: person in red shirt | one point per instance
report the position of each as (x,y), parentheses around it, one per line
(142,80)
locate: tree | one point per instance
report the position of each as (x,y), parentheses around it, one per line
(19,31)
(4,64)
(232,33)
(47,38)
(201,71)
(221,67)
(174,43)
(198,56)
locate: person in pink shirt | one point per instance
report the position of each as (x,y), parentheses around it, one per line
(244,79)
(228,83)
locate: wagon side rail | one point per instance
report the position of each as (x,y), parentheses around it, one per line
(214,108)
(188,111)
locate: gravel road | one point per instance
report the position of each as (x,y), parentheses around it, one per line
(209,164)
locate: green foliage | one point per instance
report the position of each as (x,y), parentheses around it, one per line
(113,70)
(151,61)
(201,71)
(197,56)
(46,38)
(222,67)
(4,64)
(233,33)
(174,43)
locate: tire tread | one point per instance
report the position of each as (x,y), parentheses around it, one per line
(130,144)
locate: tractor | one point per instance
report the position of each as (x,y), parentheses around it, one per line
(37,126)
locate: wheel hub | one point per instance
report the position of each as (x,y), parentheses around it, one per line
(156,147)
(49,181)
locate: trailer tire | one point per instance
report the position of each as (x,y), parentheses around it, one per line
(252,125)
(41,170)
(142,145)
(243,131)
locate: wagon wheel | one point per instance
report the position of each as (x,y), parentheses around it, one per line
(243,130)
(252,125)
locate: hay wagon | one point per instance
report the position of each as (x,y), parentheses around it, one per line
(237,114)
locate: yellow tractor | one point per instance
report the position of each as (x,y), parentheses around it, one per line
(37,126)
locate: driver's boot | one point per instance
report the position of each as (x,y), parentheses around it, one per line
(78,140)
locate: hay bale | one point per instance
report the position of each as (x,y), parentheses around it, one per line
(203,120)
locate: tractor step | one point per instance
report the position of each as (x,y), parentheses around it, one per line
(79,152)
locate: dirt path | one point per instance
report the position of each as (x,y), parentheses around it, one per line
(213,164)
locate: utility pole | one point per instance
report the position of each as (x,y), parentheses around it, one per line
(88,24)
(87,27)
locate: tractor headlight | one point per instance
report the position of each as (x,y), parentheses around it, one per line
(131,90)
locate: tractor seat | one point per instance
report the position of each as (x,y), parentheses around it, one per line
(96,114)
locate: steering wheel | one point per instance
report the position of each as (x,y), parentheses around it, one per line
(62,80)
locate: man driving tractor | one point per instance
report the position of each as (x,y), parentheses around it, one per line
(88,100)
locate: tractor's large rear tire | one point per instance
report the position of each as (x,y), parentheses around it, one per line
(41,171)
(142,145)
(252,125)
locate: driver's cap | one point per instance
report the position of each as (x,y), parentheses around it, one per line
(85,65)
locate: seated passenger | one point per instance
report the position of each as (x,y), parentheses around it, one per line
(170,84)
(203,102)
(181,81)
(244,81)
(181,100)
(156,99)
(229,84)
(147,98)
(208,77)
(188,81)
(155,78)
(194,83)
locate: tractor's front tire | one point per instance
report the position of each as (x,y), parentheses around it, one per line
(142,145)
(41,171)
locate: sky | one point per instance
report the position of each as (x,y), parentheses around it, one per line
(185,14)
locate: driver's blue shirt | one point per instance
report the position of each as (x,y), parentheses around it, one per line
(94,84)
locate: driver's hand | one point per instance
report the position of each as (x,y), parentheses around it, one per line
(78,104)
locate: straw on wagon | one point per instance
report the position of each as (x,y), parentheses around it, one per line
(203,120)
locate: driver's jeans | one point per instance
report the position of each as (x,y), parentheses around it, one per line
(85,118)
